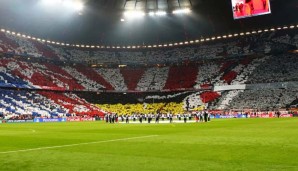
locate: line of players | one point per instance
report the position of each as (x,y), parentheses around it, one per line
(203,116)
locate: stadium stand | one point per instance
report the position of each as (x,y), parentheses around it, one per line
(32,66)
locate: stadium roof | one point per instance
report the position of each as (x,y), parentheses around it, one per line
(99,21)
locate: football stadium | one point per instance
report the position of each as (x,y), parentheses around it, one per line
(149,85)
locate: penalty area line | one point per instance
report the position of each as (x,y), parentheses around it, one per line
(78,144)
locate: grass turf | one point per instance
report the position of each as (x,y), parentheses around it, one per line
(231,144)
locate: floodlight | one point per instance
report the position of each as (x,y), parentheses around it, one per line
(151,13)
(78,6)
(182,11)
(160,13)
(134,14)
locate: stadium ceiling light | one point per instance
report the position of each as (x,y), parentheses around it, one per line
(175,44)
(38,39)
(149,46)
(202,40)
(7,31)
(33,38)
(154,45)
(24,35)
(79,6)
(151,13)
(241,34)
(57,43)
(134,14)
(53,42)
(207,39)
(235,35)
(273,29)
(285,27)
(181,43)
(87,46)
(230,35)
(292,26)
(182,11)
(213,38)
(170,44)
(133,47)
(248,33)
(67,44)
(92,46)
(218,37)
(224,36)
(29,37)
(278,28)
(122,20)
(159,45)
(2,30)
(161,13)
(186,42)
(13,33)
(19,34)
(260,31)
(63,44)
(253,32)
(197,41)
(191,41)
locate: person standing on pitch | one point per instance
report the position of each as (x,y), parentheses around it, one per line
(205,116)
(278,114)
(149,118)
(201,116)
(171,118)
(140,118)
(185,118)
(127,118)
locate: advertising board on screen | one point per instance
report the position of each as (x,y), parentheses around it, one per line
(250,8)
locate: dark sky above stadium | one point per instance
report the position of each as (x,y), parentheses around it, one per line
(99,21)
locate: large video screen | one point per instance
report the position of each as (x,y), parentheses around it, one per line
(250,8)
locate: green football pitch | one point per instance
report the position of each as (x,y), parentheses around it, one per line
(227,144)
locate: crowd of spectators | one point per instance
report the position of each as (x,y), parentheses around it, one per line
(260,58)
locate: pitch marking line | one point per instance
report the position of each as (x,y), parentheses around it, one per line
(71,145)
